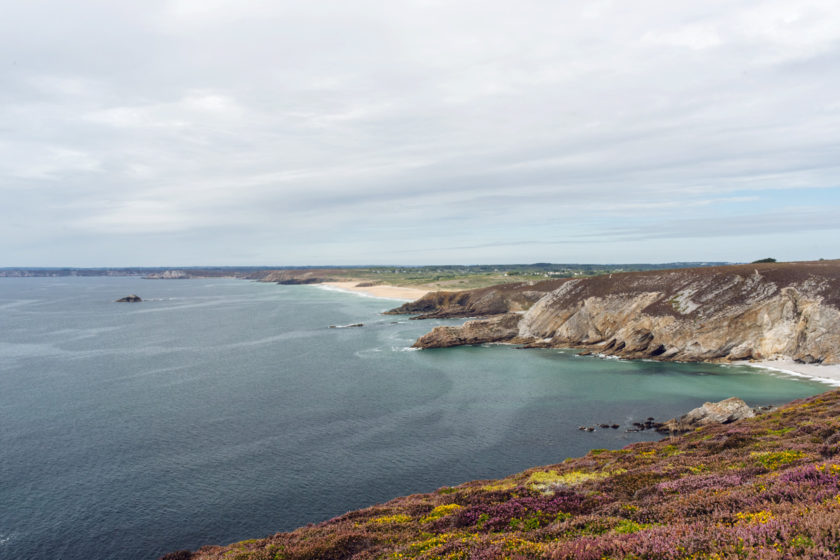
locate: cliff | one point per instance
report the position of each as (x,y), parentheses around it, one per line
(302,276)
(765,487)
(491,300)
(739,312)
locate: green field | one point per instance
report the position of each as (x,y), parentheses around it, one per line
(457,277)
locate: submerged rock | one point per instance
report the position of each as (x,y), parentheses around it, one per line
(133,298)
(723,412)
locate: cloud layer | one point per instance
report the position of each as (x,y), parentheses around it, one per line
(245,132)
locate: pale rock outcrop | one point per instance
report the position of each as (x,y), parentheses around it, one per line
(168,275)
(723,412)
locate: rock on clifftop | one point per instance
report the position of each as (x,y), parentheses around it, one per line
(723,412)
(740,312)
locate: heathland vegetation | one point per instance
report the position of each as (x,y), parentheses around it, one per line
(766,487)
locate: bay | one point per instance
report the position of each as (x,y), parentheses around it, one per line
(220,410)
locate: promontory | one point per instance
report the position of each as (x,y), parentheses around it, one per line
(755,311)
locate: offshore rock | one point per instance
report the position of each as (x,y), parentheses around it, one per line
(723,412)
(133,298)
(726,313)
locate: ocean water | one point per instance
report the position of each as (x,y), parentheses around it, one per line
(221,410)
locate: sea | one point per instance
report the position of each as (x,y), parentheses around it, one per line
(221,410)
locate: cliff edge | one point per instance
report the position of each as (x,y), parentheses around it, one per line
(763,487)
(739,312)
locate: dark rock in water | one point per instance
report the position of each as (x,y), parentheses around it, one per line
(586,428)
(603,426)
(723,412)
(133,298)
(614,426)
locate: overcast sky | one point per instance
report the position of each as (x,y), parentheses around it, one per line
(216,132)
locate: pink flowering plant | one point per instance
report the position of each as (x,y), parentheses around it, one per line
(763,488)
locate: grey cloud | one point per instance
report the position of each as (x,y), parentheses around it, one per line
(355,128)
(791,221)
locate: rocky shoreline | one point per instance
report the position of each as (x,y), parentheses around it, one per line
(756,312)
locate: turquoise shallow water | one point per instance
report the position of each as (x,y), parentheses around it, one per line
(220,410)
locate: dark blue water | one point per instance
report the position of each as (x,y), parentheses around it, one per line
(222,410)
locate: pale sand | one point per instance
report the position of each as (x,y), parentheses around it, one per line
(829,374)
(381,291)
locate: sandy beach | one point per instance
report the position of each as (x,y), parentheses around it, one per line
(380,291)
(829,374)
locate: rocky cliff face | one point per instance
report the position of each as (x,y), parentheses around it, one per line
(501,328)
(168,275)
(740,312)
(492,300)
(300,276)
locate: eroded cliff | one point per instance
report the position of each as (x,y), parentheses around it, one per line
(492,300)
(740,312)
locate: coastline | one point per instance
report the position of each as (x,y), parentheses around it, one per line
(828,374)
(383,291)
